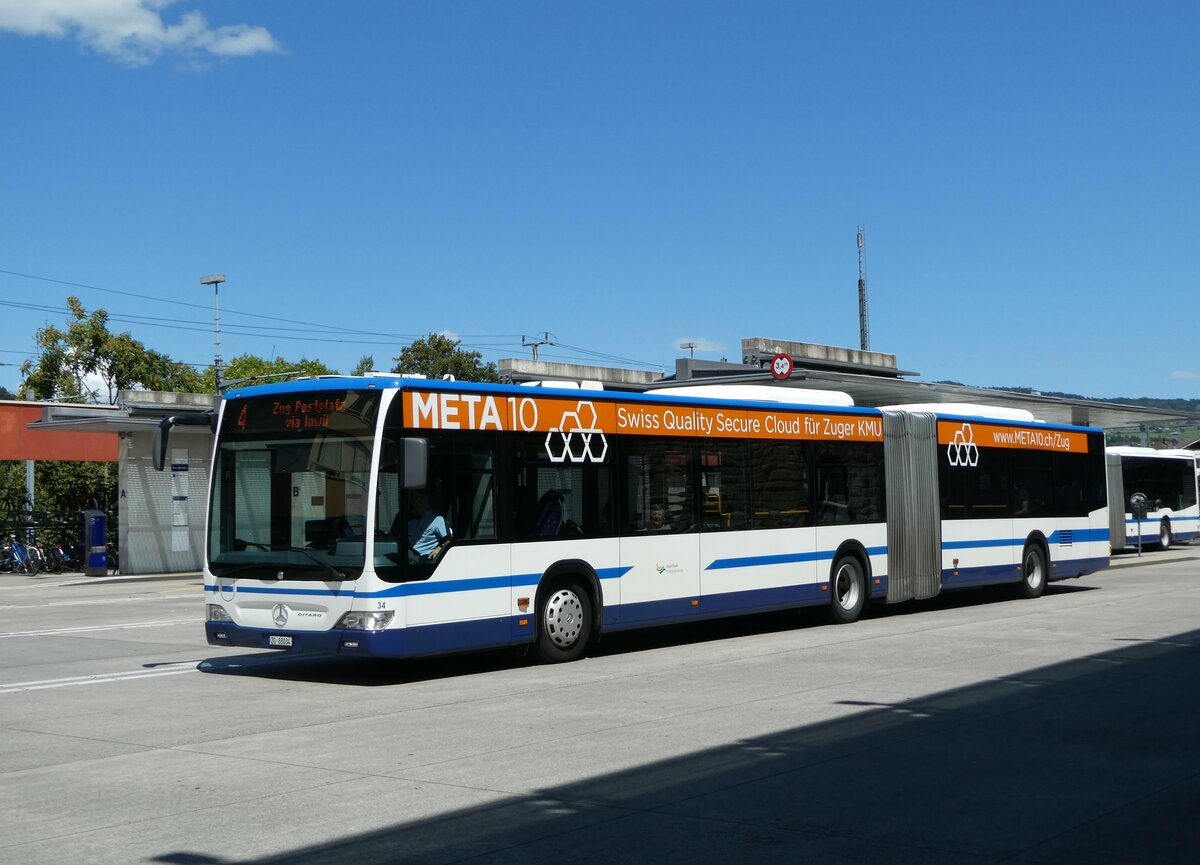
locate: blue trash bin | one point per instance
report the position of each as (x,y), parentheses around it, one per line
(95,560)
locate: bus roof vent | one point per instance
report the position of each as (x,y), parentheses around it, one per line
(964,408)
(761,393)
(561,385)
(1136,451)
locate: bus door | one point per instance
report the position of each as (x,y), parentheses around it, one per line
(660,535)
(562,507)
(457,595)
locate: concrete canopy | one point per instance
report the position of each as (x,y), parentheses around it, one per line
(876,391)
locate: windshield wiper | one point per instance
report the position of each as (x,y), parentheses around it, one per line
(230,570)
(313,556)
(274,566)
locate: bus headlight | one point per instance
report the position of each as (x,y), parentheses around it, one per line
(216,613)
(364,621)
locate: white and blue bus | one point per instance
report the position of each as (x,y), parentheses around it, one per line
(1152,496)
(567,513)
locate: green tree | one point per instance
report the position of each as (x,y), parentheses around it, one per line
(365,364)
(436,356)
(68,487)
(87,350)
(12,490)
(252,369)
(61,490)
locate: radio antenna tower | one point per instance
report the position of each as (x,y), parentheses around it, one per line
(864,331)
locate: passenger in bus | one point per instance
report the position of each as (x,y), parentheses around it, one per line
(549,519)
(427,529)
(1021,503)
(658,521)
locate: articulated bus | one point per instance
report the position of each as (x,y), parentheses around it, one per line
(567,512)
(1152,496)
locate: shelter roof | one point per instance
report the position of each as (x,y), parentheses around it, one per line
(135,411)
(877,390)
(141,410)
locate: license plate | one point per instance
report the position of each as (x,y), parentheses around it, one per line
(277,640)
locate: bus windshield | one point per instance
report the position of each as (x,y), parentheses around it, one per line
(290,486)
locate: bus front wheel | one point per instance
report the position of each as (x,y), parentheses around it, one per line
(1033,576)
(848,587)
(564,623)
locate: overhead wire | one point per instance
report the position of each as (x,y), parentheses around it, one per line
(244,329)
(303,332)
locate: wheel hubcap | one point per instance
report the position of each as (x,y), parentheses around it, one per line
(564,618)
(847,587)
(1033,571)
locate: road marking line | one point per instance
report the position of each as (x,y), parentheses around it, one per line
(94,601)
(101,678)
(54,632)
(87,603)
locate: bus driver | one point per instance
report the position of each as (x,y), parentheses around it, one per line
(427,529)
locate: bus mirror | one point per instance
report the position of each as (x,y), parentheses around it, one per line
(159,450)
(162,433)
(416,463)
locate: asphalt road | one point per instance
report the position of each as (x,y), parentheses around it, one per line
(971,729)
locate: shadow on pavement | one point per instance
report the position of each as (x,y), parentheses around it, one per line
(1092,760)
(375,672)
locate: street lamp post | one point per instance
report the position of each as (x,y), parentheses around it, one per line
(215,281)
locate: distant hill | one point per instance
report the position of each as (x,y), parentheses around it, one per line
(1192,405)
(1169,404)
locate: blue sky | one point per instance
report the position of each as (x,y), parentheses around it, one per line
(623,175)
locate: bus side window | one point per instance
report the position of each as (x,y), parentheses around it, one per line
(781,490)
(1033,492)
(658,472)
(468,475)
(723,484)
(566,499)
(850,483)
(461,486)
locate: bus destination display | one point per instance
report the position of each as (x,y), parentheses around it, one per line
(287,413)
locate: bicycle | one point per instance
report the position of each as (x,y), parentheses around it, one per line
(18,557)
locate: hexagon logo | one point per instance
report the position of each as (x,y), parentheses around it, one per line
(576,438)
(556,446)
(962,451)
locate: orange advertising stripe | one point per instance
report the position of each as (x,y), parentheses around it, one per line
(472,411)
(710,422)
(449,410)
(986,435)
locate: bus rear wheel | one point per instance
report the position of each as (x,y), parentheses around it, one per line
(848,587)
(1164,535)
(565,620)
(1033,572)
